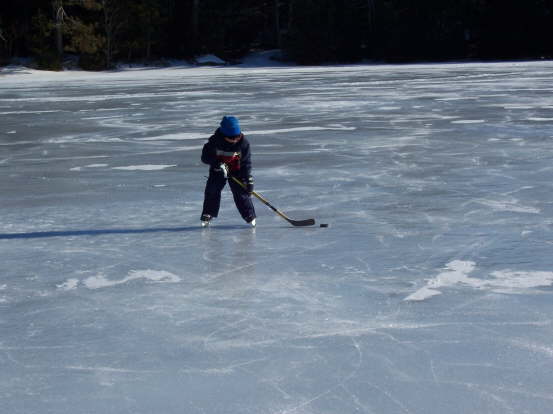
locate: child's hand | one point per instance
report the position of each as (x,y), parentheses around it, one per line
(225,169)
(248,182)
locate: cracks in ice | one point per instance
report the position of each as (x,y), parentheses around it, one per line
(340,384)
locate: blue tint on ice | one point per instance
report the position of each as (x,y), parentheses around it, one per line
(431,291)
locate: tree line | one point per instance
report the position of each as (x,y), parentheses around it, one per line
(102,32)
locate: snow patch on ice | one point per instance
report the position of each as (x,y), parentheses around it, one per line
(88,166)
(469,121)
(514,106)
(509,205)
(161,276)
(148,167)
(509,281)
(300,129)
(69,284)
(99,369)
(3,299)
(26,112)
(175,137)
(87,139)
(456,272)
(501,281)
(535,119)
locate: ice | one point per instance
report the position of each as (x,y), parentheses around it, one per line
(429,292)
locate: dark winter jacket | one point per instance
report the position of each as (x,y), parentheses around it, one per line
(237,156)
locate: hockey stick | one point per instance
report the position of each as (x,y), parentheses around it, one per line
(297,223)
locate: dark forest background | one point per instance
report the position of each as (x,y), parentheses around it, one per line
(99,33)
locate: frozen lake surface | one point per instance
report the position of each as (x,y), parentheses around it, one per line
(431,291)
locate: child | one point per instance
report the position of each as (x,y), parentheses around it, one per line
(228,154)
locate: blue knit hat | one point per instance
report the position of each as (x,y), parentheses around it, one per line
(230,127)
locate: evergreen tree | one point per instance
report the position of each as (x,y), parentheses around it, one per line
(308,31)
(43,41)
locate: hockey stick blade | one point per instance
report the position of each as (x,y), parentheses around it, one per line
(300,223)
(295,223)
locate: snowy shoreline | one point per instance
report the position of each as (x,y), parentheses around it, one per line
(263,61)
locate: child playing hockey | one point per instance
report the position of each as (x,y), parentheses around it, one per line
(227,152)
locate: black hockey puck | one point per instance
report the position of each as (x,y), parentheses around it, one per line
(323,225)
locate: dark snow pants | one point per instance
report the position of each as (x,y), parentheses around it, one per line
(212,197)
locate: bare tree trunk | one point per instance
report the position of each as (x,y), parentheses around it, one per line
(59,14)
(7,37)
(59,39)
(108,28)
(112,24)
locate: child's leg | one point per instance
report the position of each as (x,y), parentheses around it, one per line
(243,201)
(212,194)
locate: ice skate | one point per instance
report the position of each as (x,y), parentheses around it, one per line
(205,220)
